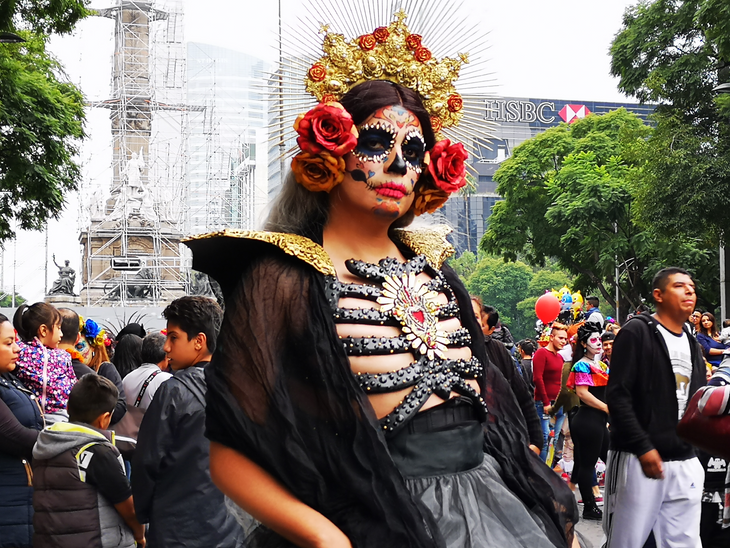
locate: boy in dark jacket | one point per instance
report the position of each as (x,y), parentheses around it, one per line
(171,481)
(654,479)
(82,496)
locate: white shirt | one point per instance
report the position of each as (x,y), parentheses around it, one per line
(133,384)
(680,355)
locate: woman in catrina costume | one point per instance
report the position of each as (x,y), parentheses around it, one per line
(351,402)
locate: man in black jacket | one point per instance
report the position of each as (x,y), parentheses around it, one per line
(173,491)
(654,479)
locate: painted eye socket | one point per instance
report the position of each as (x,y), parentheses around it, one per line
(374,141)
(414,150)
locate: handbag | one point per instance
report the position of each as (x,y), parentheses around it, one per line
(711,433)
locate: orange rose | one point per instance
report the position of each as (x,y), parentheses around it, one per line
(429,200)
(328,98)
(413,41)
(447,165)
(367,42)
(436,124)
(381,34)
(422,54)
(317,73)
(318,172)
(455,103)
(327,127)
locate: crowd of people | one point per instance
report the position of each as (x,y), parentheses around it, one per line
(100,451)
(353,394)
(578,373)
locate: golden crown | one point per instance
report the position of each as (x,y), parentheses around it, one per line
(389,53)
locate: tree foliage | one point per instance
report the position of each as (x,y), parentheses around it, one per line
(41,115)
(569,194)
(42,16)
(41,122)
(512,288)
(674,53)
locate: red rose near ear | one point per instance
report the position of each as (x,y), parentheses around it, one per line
(447,165)
(327,127)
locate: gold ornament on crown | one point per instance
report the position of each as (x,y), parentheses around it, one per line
(389,53)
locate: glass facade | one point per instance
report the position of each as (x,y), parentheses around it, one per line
(227,164)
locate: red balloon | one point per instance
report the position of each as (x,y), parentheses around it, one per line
(547,308)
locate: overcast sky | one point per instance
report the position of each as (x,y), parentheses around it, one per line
(551,49)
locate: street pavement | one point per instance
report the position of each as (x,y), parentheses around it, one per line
(591,531)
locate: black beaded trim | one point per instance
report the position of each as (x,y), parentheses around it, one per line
(378,383)
(386,267)
(380,346)
(441,384)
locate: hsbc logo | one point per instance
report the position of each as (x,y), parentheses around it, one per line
(572,113)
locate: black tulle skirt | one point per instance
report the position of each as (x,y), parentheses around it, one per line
(440,454)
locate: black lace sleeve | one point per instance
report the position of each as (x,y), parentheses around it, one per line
(280,391)
(506,438)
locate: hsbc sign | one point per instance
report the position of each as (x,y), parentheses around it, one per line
(545,112)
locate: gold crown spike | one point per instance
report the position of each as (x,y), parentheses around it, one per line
(389,53)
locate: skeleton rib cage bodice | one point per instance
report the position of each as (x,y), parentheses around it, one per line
(412,306)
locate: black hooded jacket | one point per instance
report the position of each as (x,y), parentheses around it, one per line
(642,391)
(171,483)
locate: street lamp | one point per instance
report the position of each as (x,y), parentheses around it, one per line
(723,88)
(10,38)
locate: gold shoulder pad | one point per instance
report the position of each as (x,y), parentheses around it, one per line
(430,242)
(297,246)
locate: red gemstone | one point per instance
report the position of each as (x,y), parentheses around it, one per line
(419,316)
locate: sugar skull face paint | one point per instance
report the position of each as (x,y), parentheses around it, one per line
(594,343)
(386,162)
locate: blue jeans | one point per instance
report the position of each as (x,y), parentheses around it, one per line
(545,420)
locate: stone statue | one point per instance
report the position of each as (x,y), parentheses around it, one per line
(134,199)
(64,285)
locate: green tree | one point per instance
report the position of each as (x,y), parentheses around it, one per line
(673,53)
(41,115)
(6,301)
(568,194)
(501,285)
(464,265)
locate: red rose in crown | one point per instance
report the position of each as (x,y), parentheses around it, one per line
(447,165)
(327,127)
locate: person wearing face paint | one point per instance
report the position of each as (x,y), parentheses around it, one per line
(588,377)
(20,421)
(340,415)
(43,367)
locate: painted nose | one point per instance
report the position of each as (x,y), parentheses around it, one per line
(397,166)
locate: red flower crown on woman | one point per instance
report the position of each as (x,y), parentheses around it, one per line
(327,132)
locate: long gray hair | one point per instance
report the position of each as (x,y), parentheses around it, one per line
(296,210)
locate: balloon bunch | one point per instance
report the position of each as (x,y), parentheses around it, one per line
(562,305)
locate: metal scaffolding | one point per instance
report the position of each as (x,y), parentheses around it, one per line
(131,238)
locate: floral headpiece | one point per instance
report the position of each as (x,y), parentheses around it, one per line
(93,332)
(327,132)
(389,53)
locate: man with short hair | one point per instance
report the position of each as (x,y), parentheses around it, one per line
(547,370)
(653,478)
(141,384)
(593,314)
(607,339)
(70,338)
(173,491)
(526,348)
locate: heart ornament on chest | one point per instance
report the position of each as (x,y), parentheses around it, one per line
(416,308)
